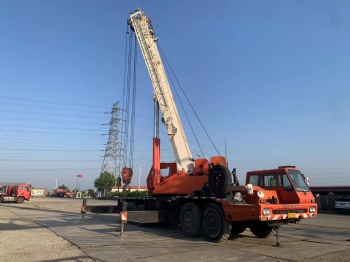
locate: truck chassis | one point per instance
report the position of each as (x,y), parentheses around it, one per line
(206,214)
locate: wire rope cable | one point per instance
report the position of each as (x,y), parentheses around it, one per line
(188,101)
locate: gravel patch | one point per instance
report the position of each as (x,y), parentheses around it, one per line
(24,240)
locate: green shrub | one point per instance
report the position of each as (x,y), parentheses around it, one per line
(135,193)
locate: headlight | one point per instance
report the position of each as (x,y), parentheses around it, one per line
(312,209)
(266,211)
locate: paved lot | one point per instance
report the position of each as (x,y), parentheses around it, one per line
(325,238)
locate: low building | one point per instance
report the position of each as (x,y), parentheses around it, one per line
(132,188)
(39,192)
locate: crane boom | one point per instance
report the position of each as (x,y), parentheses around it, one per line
(143,29)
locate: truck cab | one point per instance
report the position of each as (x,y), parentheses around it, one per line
(3,190)
(289,183)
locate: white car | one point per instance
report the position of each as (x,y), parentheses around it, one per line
(342,204)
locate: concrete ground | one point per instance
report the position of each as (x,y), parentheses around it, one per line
(24,237)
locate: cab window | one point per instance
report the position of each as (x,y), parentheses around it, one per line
(271,180)
(286,183)
(298,180)
(255,180)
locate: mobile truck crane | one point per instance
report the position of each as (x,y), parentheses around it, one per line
(201,195)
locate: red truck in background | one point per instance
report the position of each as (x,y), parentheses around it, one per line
(62,192)
(15,193)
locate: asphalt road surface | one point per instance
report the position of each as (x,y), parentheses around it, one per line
(51,229)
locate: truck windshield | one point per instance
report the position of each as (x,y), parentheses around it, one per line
(298,180)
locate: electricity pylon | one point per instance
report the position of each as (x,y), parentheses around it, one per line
(112,156)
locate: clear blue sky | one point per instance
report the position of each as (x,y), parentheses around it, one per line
(269,77)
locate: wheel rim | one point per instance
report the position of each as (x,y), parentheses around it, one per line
(217,179)
(188,220)
(191,219)
(220,180)
(212,222)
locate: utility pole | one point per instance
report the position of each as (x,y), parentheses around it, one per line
(139,178)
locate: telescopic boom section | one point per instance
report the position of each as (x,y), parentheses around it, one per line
(143,29)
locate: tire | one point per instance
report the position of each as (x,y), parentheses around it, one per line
(220,180)
(191,219)
(238,228)
(1,199)
(215,226)
(20,200)
(262,230)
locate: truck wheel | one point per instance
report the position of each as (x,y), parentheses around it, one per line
(238,228)
(215,226)
(190,219)
(220,180)
(20,200)
(1,199)
(262,230)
